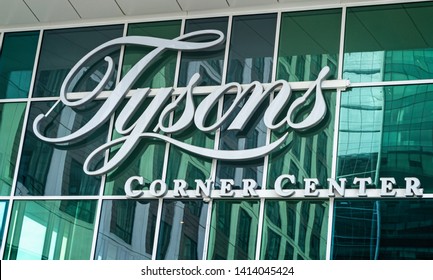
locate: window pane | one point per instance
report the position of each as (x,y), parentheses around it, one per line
(47,169)
(233,233)
(3,214)
(183,165)
(126,230)
(182,232)
(161,72)
(146,160)
(394,122)
(383,229)
(306,154)
(16,63)
(51,230)
(380,50)
(62,49)
(359,138)
(294,228)
(252,136)
(252,48)
(11,121)
(208,63)
(309,41)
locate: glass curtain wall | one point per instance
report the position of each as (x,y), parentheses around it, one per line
(386,131)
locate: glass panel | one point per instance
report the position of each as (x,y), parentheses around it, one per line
(383,50)
(3,215)
(182,165)
(51,230)
(309,41)
(47,169)
(386,229)
(252,48)
(147,159)
(126,230)
(161,72)
(293,229)
(182,232)
(252,136)
(233,232)
(209,63)
(307,154)
(17,58)
(359,140)
(394,123)
(11,121)
(61,49)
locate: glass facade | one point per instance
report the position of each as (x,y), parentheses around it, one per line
(16,64)
(126,230)
(162,72)
(51,230)
(60,51)
(378,124)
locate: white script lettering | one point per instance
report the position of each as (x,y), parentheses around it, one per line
(141,129)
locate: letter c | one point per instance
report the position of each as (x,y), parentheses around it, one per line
(130,193)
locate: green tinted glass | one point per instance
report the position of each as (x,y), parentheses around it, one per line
(3,215)
(186,166)
(383,229)
(51,230)
(182,231)
(208,63)
(305,154)
(146,160)
(161,71)
(252,136)
(126,230)
(388,43)
(252,48)
(387,132)
(48,169)
(294,230)
(309,41)
(16,63)
(11,121)
(233,232)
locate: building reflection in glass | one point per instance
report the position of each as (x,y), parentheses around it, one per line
(383,229)
(252,136)
(127,230)
(233,233)
(184,165)
(146,160)
(208,63)
(305,155)
(48,169)
(309,41)
(359,141)
(252,48)
(182,230)
(294,230)
(51,230)
(376,50)
(387,132)
(11,122)
(161,72)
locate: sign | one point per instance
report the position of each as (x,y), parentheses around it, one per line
(253,95)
